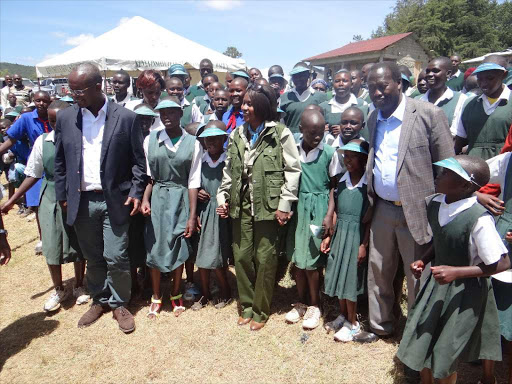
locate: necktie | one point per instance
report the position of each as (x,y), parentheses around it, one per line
(232,122)
(45,124)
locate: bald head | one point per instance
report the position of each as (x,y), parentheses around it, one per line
(241,81)
(311,117)
(314,107)
(88,72)
(312,127)
(443,61)
(41,94)
(217,124)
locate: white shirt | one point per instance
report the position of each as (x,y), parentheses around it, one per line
(448,95)
(488,108)
(339,107)
(34,166)
(194,177)
(92,139)
(485,244)
(156,125)
(346,178)
(313,155)
(305,95)
(123,102)
(387,137)
(214,164)
(4,101)
(195,114)
(456,74)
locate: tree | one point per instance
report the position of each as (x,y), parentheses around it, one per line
(233,52)
(357,38)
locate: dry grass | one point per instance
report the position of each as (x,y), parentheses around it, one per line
(198,347)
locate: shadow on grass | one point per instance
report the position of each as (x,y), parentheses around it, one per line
(18,335)
(67,283)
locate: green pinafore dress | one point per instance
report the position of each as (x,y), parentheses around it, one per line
(334,118)
(60,245)
(486,134)
(503,290)
(455,322)
(302,245)
(214,247)
(344,279)
(166,246)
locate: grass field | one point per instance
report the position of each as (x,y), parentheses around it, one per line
(198,347)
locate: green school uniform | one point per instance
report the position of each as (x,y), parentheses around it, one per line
(202,104)
(214,247)
(194,91)
(456,83)
(187,115)
(334,118)
(166,246)
(60,244)
(486,134)
(293,108)
(449,105)
(451,322)
(344,279)
(302,246)
(502,290)
(415,94)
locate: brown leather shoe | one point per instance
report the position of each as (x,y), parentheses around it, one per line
(255,326)
(125,319)
(91,316)
(243,321)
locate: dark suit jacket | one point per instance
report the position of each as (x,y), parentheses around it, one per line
(424,139)
(123,164)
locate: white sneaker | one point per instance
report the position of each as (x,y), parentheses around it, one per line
(39,248)
(311,318)
(347,332)
(296,313)
(335,325)
(57,297)
(81,295)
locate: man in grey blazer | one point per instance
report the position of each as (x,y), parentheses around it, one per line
(100,176)
(406,137)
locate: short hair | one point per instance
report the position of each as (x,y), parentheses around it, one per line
(443,60)
(207,62)
(476,168)
(43,92)
(240,78)
(353,108)
(392,67)
(91,70)
(342,70)
(275,69)
(191,128)
(263,99)
(314,107)
(406,71)
(148,78)
(218,124)
(172,78)
(496,59)
(215,77)
(123,73)
(58,104)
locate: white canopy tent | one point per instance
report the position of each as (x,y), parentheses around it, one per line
(136,45)
(507,53)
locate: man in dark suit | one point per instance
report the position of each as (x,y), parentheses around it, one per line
(100,170)
(406,137)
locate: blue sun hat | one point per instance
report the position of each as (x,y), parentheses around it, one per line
(406,78)
(213,131)
(67,99)
(146,111)
(241,74)
(13,113)
(453,165)
(167,104)
(279,110)
(278,75)
(177,69)
(298,69)
(353,147)
(489,67)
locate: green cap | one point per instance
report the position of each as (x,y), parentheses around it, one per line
(145,111)
(353,147)
(453,165)
(279,110)
(67,98)
(213,131)
(241,74)
(298,69)
(178,72)
(12,113)
(167,104)
(278,75)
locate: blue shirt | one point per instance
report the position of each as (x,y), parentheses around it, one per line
(28,126)
(239,118)
(387,138)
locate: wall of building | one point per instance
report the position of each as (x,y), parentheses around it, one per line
(410,53)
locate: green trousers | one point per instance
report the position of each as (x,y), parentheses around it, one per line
(255,250)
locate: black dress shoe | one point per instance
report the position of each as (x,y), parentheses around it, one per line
(366,337)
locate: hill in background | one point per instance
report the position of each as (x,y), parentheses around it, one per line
(27,71)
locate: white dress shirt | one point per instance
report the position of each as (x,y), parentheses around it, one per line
(341,107)
(195,114)
(92,139)
(387,138)
(346,178)
(194,177)
(123,102)
(34,166)
(313,155)
(456,74)
(485,244)
(488,108)
(448,95)
(305,95)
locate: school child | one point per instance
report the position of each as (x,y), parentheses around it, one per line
(146,117)
(207,109)
(343,99)
(203,102)
(220,104)
(313,218)
(191,113)
(501,174)
(214,246)
(454,318)
(351,126)
(347,248)
(294,101)
(170,200)
(60,245)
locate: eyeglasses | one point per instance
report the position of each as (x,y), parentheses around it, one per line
(80,92)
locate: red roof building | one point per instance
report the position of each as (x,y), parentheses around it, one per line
(403,48)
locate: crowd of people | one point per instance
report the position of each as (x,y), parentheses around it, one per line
(359,181)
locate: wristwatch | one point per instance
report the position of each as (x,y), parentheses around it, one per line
(3,231)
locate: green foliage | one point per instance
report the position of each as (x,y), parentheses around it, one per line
(27,71)
(469,28)
(357,38)
(233,52)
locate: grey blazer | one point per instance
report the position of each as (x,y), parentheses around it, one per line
(424,139)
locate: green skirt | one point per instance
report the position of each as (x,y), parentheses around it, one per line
(344,279)
(503,296)
(451,323)
(60,244)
